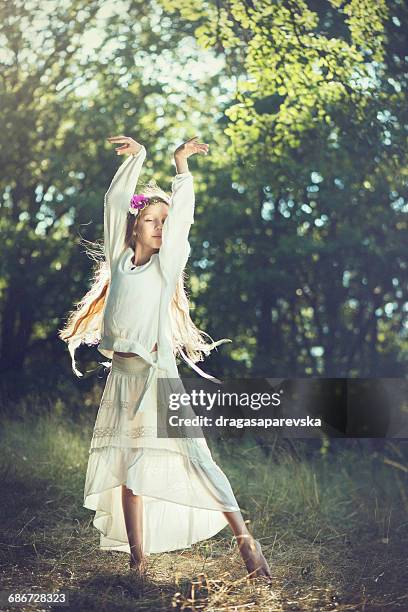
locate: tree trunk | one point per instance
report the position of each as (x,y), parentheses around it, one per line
(264,336)
(16,327)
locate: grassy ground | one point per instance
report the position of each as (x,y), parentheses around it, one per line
(333,529)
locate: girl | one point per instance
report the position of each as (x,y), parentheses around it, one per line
(150,494)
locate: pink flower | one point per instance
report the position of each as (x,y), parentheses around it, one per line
(139,201)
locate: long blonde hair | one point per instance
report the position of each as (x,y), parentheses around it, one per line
(83,324)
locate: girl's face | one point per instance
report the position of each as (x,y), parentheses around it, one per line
(149,225)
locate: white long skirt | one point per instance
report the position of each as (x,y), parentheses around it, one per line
(184,491)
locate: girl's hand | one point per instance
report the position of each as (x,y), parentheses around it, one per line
(190,147)
(130,146)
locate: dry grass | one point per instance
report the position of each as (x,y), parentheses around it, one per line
(334,531)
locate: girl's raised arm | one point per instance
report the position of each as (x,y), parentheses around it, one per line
(175,247)
(117,198)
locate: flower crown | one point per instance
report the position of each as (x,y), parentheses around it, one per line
(139,201)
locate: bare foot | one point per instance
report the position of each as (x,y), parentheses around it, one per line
(138,566)
(254,560)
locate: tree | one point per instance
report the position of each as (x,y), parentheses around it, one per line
(314,244)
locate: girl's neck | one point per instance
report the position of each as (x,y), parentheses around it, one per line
(142,256)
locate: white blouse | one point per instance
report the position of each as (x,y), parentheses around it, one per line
(136,312)
(131,315)
(130,320)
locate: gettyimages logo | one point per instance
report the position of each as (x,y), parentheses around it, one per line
(300,408)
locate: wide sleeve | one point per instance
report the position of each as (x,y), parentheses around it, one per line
(116,205)
(175,247)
